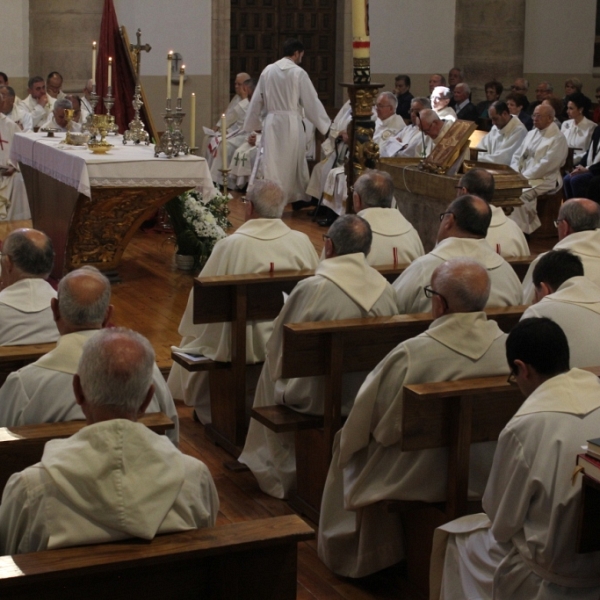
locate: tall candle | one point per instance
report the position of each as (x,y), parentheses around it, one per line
(93,63)
(181,74)
(193,121)
(169,59)
(361,42)
(110,71)
(224,140)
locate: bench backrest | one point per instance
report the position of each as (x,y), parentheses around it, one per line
(245,560)
(455,414)
(13,358)
(27,449)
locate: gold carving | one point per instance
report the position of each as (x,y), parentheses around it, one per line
(361,62)
(365,99)
(366,151)
(103,224)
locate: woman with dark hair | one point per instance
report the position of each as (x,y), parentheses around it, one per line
(578,129)
(493,90)
(516,105)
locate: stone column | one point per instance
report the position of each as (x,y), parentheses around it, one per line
(220,61)
(60,38)
(489,42)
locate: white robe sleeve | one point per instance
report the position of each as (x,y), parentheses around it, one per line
(253,115)
(13,401)
(409,289)
(313,108)
(552,160)
(14,517)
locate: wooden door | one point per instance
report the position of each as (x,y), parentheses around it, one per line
(259,28)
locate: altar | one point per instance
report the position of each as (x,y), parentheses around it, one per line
(91,205)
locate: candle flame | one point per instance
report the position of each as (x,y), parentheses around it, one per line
(93,44)
(109,59)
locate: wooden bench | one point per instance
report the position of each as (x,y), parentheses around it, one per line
(27,449)
(331,349)
(250,560)
(239,299)
(453,415)
(13,358)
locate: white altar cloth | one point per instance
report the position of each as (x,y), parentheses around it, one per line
(123,166)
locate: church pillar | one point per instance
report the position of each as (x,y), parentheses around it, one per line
(220,61)
(60,38)
(489,42)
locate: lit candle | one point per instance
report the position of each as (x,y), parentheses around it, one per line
(93,63)
(110,71)
(181,74)
(224,140)
(193,121)
(169,59)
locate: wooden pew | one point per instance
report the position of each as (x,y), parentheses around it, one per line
(453,415)
(238,299)
(250,560)
(18,454)
(331,349)
(12,358)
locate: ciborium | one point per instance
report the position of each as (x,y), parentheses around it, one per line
(102,124)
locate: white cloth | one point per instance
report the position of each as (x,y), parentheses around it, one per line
(343,287)
(251,249)
(575,306)
(110,481)
(236,136)
(506,287)
(539,159)
(332,154)
(447,113)
(39,113)
(386,131)
(21,116)
(243,161)
(25,313)
(284,91)
(585,244)
(51,123)
(579,136)
(405,143)
(391,230)
(499,145)
(526,550)
(42,392)
(14,205)
(357,536)
(123,166)
(505,236)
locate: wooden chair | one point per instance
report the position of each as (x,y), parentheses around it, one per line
(27,446)
(548,206)
(250,560)
(331,349)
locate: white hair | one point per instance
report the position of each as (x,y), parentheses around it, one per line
(268,198)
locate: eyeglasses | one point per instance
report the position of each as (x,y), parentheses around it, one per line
(512,378)
(430,293)
(448,212)
(383,106)
(517,88)
(557,222)
(326,237)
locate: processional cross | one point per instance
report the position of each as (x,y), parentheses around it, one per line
(137,50)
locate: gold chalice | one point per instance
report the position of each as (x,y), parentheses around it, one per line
(102,125)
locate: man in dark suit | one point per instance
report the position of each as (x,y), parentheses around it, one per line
(402,91)
(464,108)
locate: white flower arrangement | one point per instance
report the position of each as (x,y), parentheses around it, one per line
(198,224)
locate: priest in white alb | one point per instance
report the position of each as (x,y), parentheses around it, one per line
(38,101)
(344,287)
(525,545)
(406,142)
(285,94)
(263,243)
(357,534)
(25,295)
(14,110)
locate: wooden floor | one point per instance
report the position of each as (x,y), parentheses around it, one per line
(151,298)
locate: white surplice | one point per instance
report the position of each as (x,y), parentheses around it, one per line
(39,113)
(430,143)
(254,246)
(405,143)
(285,93)
(506,287)
(343,287)
(539,159)
(526,549)
(585,244)
(21,116)
(505,236)
(25,313)
(110,481)
(575,306)
(579,136)
(42,392)
(358,536)
(447,114)
(391,231)
(14,205)
(499,145)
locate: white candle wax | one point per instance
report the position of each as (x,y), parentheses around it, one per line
(169,59)
(193,121)
(110,71)
(181,75)
(93,63)
(224,140)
